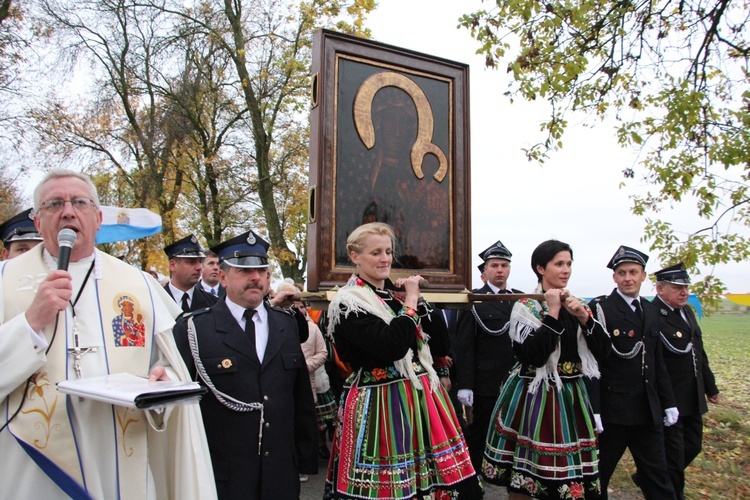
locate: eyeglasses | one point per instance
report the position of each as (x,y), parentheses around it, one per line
(56,204)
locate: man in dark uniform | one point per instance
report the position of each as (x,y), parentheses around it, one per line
(19,235)
(484,353)
(259,414)
(633,399)
(210,275)
(687,364)
(185,267)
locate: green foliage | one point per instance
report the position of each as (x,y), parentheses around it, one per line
(10,199)
(675,78)
(271,51)
(197,110)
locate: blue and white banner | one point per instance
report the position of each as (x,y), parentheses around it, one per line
(123,224)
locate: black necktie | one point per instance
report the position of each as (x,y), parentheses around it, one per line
(250,325)
(185,305)
(637,306)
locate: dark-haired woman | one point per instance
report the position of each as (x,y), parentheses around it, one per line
(397,435)
(542,440)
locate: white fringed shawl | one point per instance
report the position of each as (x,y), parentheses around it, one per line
(353,298)
(526,318)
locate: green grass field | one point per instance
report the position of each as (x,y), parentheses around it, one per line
(723,469)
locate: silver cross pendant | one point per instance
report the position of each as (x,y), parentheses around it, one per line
(77,351)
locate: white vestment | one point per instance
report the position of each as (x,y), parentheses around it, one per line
(178,464)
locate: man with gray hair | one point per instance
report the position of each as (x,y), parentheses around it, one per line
(687,365)
(58,321)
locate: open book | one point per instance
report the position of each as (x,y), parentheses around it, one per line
(125,389)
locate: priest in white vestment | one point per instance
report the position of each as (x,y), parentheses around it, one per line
(99,317)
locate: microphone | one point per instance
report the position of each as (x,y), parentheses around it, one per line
(66,238)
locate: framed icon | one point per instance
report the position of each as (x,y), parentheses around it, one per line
(389,143)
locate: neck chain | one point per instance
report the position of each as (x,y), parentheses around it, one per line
(76,351)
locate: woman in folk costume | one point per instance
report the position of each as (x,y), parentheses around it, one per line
(542,440)
(397,434)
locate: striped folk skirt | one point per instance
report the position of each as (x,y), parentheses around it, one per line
(543,444)
(325,409)
(394,441)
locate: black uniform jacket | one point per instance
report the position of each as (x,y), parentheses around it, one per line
(483,359)
(631,391)
(281,383)
(201,298)
(433,324)
(690,384)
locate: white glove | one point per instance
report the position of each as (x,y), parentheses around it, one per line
(466,396)
(598,426)
(670,416)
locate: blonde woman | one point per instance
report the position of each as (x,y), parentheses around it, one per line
(397,434)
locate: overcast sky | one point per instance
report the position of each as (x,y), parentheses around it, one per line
(575,197)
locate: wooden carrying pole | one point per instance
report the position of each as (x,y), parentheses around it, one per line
(492,297)
(450,300)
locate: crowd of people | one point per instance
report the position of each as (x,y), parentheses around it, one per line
(541,393)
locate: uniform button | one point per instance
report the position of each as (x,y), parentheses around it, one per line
(265,398)
(268,424)
(265,454)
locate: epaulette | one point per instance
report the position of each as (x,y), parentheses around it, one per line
(600,298)
(184,316)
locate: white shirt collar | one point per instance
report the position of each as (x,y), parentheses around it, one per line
(628,300)
(177,293)
(493,287)
(238,312)
(260,318)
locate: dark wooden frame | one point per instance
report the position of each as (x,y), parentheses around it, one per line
(333,49)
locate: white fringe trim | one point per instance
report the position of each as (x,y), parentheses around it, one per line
(359,299)
(523,323)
